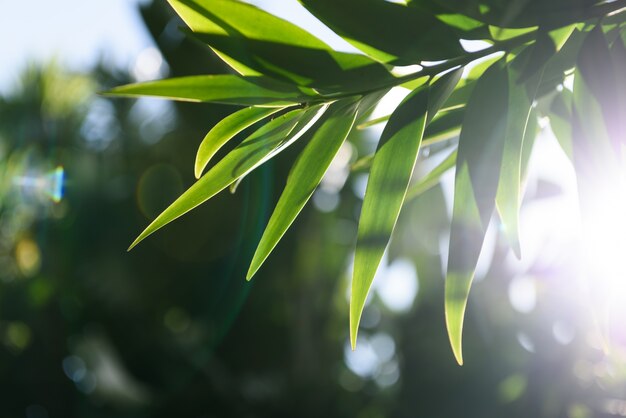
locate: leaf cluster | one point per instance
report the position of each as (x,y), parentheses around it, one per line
(294,87)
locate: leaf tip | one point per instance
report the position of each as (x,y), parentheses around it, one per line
(141,237)
(353,337)
(455,312)
(251,272)
(197,171)
(355,318)
(133,245)
(455,336)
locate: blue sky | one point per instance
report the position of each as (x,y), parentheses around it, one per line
(75,32)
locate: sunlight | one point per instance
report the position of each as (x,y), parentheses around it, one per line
(604,231)
(583,243)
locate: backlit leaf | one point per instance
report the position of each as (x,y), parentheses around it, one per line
(600,76)
(366,24)
(306,175)
(259,147)
(238,19)
(228,89)
(431,179)
(225,130)
(312,67)
(508,198)
(477,173)
(389,178)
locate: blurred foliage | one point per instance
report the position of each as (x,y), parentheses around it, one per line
(173,329)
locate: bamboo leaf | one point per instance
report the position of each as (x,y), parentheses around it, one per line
(311,67)
(305,176)
(238,19)
(439,96)
(408,40)
(221,88)
(518,13)
(563,61)
(509,196)
(431,179)
(259,147)
(595,65)
(225,130)
(386,188)
(391,172)
(618,55)
(476,182)
(560,121)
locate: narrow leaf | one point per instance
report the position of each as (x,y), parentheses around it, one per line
(439,96)
(259,147)
(564,60)
(391,172)
(388,32)
(225,130)
(431,179)
(539,54)
(509,196)
(595,67)
(228,89)
(238,19)
(561,121)
(477,172)
(311,67)
(386,188)
(305,176)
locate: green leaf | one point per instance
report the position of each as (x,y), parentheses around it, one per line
(536,59)
(476,183)
(445,126)
(259,147)
(225,130)
(306,175)
(509,196)
(431,179)
(561,62)
(311,67)
(561,121)
(389,32)
(595,64)
(389,178)
(518,13)
(238,19)
(461,95)
(466,27)
(532,129)
(228,89)
(439,96)
(503,34)
(618,53)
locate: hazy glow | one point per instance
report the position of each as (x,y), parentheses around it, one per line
(582,242)
(49,185)
(604,226)
(397,285)
(523,294)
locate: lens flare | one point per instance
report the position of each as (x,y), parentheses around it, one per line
(49,185)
